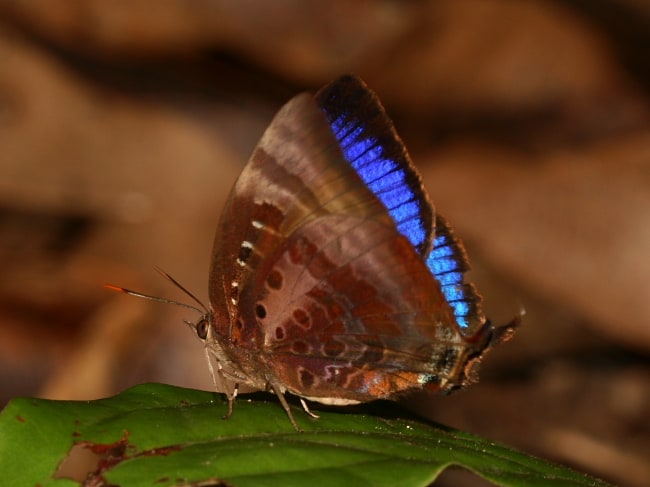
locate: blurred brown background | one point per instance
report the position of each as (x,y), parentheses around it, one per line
(124,124)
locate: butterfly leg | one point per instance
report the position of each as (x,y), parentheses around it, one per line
(285,406)
(307,410)
(221,384)
(230,395)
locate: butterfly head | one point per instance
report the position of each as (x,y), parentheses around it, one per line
(201,327)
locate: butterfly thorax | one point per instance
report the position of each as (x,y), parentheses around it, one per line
(236,360)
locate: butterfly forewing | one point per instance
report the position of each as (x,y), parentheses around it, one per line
(372,147)
(296,174)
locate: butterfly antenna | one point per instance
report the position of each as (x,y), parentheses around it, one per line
(153,298)
(202,310)
(181,287)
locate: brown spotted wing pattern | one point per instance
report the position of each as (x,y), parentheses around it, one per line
(316,289)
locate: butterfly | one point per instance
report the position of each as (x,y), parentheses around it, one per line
(332,277)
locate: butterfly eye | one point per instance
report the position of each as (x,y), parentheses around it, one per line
(202,329)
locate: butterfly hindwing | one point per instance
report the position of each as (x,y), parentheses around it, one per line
(448,263)
(334,309)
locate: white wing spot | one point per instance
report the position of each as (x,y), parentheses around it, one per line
(243,255)
(234,293)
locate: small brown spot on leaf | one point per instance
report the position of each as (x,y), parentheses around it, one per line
(88,462)
(211,482)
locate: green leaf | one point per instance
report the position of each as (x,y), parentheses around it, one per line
(159,435)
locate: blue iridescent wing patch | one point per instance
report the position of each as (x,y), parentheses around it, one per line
(448,264)
(370,144)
